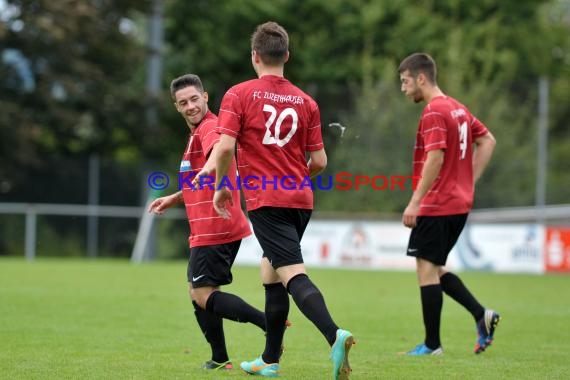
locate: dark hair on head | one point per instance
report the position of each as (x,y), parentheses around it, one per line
(184,81)
(420,63)
(271,41)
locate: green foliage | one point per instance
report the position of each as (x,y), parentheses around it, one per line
(345,54)
(72,83)
(77,94)
(11,226)
(172,239)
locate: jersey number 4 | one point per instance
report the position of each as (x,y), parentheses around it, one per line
(274,123)
(462,140)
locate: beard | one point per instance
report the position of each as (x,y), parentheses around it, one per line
(417,96)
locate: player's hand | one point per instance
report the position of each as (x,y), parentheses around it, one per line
(197,181)
(222,198)
(410,215)
(159,205)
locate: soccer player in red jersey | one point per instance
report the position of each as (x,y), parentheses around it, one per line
(449,166)
(276,125)
(214,241)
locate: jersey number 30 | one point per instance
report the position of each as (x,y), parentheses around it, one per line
(274,122)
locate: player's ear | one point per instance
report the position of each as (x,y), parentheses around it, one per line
(255,56)
(421,78)
(205,95)
(286,57)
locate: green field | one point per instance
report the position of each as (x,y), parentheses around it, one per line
(101,319)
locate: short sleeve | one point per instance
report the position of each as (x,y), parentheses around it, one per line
(314,134)
(208,136)
(433,131)
(229,117)
(478,129)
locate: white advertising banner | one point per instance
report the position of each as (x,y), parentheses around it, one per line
(347,244)
(382,245)
(500,248)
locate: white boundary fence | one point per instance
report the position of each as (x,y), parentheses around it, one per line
(508,224)
(32,210)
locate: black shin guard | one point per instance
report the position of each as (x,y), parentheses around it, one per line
(276,311)
(213,329)
(432,303)
(310,301)
(456,289)
(230,306)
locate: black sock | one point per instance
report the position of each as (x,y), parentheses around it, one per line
(276,311)
(312,304)
(454,287)
(230,306)
(213,329)
(432,302)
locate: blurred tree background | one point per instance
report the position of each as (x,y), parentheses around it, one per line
(72,85)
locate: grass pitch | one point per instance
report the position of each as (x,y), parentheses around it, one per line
(100,319)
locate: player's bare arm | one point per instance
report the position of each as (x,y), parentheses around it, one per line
(224,154)
(160,205)
(317,162)
(432,167)
(484,147)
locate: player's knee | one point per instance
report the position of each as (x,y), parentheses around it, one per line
(196,297)
(201,295)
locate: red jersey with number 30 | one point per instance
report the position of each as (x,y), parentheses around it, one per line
(206,226)
(447,124)
(275,124)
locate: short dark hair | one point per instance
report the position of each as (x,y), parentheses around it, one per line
(420,63)
(184,81)
(271,41)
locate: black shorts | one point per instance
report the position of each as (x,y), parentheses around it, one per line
(433,237)
(279,232)
(211,265)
